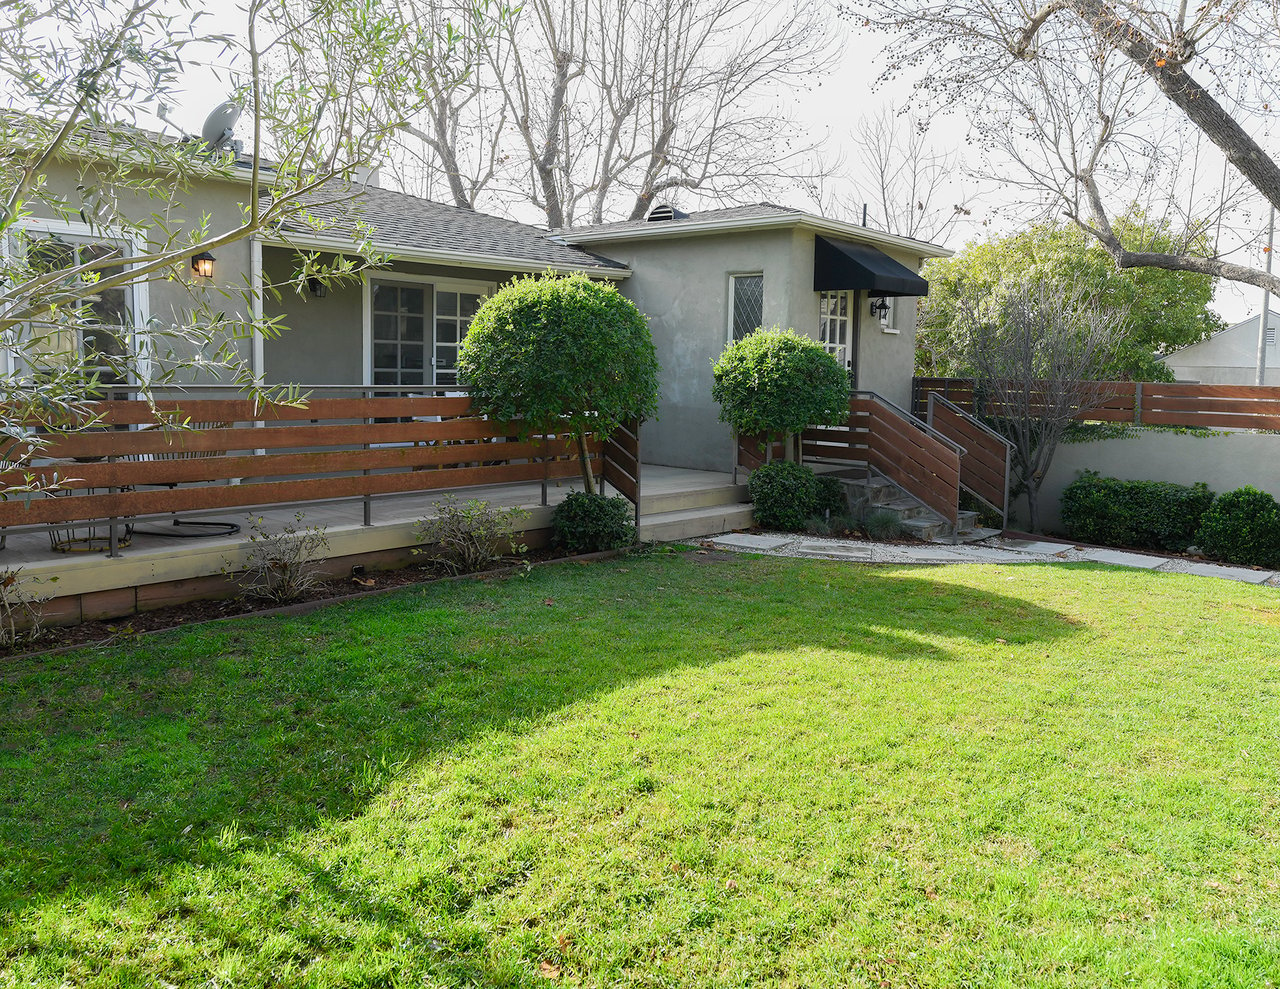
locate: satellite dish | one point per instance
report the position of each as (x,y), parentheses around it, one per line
(218,126)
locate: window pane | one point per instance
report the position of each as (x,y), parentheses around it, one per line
(748,304)
(413,327)
(384,327)
(446,331)
(411,300)
(470,303)
(411,355)
(386,298)
(385,378)
(385,355)
(446,303)
(411,378)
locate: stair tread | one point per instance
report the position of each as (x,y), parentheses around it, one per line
(705,511)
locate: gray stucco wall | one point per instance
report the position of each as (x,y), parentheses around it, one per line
(323,339)
(1224,462)
(170,301)
(682,285)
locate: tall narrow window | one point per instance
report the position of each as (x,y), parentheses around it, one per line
(834,324)
(454,311)
(746,305)
(399,333)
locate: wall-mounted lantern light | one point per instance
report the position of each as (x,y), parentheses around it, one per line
(202,265)
(317,288)
(880,309)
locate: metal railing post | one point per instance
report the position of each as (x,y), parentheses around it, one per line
(368,498)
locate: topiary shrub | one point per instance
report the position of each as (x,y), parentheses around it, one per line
(777,382)
(1142,514)
(1242,526)
(561,355)
(784,494)
(590,523)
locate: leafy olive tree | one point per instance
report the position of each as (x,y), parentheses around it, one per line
(95,204)
(561,354)
(777,382)
(1165,309)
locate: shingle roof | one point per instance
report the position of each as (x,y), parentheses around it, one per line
(751,212)
(400,220)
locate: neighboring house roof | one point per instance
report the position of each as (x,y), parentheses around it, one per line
(410,227)
(1236,346)
(759,216)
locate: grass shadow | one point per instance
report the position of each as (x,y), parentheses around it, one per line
(121,763)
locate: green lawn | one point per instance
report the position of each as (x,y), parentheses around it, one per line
(662,771)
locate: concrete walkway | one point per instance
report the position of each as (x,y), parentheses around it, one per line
(995,550)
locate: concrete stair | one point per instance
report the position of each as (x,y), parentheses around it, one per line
(917,520)
(697,512)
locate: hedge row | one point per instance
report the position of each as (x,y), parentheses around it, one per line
(1241,526)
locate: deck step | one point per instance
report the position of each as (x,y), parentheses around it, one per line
(678,501)
(688,523)
(929,528)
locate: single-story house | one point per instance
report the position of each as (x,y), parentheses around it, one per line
(1230,356)
(703,279)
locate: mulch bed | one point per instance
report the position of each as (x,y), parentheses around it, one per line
(113,630)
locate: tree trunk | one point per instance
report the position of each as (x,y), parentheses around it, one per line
(584,460)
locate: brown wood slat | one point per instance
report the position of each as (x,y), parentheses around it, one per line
(1200,404)
(1162,389)
(932,453)
(231,496)
(243,410)
(623,458)
(120,444)
(622,481)
(132,473)
(1209,420)
(627,440)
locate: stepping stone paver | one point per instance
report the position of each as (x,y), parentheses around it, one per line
(1037,546)
(1119,558)
(1229,573)
(749,541)
(835,552)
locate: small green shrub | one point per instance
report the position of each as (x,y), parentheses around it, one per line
(778,382)
(470,536)
(784,494)
(882,524)
(1242,526)
(830,499)
(590,523)
(281,565)
(1142,514)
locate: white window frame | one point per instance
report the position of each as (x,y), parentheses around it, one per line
(733,288)
(850,304)
(140,305)
(411,278)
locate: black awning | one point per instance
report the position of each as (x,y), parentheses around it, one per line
(842,265)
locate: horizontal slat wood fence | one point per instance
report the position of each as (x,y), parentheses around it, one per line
(329,449)
(985,463)
(1148,403)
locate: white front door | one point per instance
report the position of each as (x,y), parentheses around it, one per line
(835,310)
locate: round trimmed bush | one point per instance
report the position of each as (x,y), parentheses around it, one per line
(776,381)
(784,494)
(560,355)
(590,523)
(1242,526)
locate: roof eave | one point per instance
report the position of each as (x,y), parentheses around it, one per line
(457,259)
(818,224)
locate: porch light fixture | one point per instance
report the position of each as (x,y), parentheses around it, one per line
(317,288)
(880,309)
(202,264)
